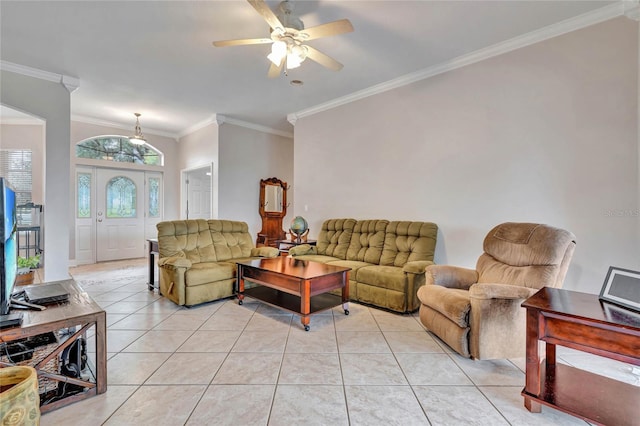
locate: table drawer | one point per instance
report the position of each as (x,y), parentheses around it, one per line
(597,336)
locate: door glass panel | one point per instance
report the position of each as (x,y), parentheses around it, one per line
(121,198)
(84,195)
(154,196)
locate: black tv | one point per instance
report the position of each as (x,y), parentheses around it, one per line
(8,242)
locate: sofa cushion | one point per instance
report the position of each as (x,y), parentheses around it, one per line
(208,272)
(334,237)
(453,303)
(231,239)
(408,241)
(188,238)
(390,277)
(367,241)
(353,264)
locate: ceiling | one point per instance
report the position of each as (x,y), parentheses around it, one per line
(156,57)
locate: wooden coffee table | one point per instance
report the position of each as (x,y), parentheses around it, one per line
(298,286)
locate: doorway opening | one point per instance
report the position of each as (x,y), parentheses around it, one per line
(197,193)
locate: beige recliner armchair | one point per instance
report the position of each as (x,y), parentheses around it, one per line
(477,312)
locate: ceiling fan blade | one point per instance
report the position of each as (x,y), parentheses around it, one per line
(274,70)
(325,30)
(323,59)
(261,7)
(241,42)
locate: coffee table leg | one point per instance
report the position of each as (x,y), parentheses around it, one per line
(305,304)
(345,293)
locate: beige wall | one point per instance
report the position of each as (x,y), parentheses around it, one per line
(28,136)
(547,133)
(246,156)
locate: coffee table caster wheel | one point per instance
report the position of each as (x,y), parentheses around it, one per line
(346,312)
(306,328)
(240,302)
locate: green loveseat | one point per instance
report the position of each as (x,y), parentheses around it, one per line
(387,259)
(197,258)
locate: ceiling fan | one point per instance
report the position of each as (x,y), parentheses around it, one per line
(288,36)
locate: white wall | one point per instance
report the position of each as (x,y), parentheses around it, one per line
(246,157)
(28,136)
(199,149)
(547,133)
(51,102)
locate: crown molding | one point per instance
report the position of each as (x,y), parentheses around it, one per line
(572,24)
(258,127)
(632,9)
(70,83)
(128,127)
(214,119)
(22,121)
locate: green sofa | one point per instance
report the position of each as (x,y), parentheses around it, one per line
(197,258)
(387,258)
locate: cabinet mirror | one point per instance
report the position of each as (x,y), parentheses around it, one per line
(273,208)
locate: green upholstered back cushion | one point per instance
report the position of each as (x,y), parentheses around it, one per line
(188,238)
(367,241)
(334,237)
(231,239)
(408,241)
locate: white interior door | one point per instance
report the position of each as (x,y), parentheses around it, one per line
(197,187)
(120,206)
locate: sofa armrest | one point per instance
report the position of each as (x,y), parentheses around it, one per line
(302,250)
(264,252)
(500,291)
(417,266)
(174,262)
(451,276)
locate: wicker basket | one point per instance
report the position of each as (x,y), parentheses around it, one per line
(44,384)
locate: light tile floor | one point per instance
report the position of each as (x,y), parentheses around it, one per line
(221,363)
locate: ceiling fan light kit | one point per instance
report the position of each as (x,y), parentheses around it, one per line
(287,37)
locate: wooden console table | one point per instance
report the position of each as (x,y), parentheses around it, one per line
(79,314)
(580,321)
(285,245)
(153,251)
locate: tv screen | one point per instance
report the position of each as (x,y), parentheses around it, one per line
(9,249)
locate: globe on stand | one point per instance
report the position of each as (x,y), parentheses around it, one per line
(299,227)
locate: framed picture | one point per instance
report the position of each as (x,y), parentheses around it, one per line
(622,287)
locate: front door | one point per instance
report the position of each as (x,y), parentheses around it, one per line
(120,224)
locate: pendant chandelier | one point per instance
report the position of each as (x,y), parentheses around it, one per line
(138,138)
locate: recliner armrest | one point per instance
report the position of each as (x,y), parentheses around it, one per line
(500,291)
(416,266)
(174,262)
(264,252)
(303,249)
(451,276)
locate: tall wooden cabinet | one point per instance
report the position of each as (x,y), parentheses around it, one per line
(273,208)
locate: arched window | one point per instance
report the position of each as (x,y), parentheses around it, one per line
(118,149)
